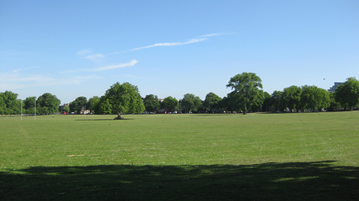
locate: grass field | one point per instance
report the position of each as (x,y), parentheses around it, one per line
(306,156)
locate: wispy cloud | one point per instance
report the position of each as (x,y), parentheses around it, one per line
(10,81)
(131,63)
(95,57)
(23,69)
(84,52)
(172,44)
(195,40)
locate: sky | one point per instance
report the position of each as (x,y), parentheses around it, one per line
(170,48)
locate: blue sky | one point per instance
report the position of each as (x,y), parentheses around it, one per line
(170,48)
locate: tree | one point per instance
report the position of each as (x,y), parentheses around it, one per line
(93,104)
(291,97)
(267,102)
(47,103)
(124,98)
(78,104)
(314,98)
(171,104)
(191,102)
(212,102)
(247,86)
(276,101)
(66,108)
(10,104)
(347,94)
(151,103)
(29,102)
(105,107)
(2,105)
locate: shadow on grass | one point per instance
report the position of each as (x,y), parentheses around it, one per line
(268,181)
(102,119)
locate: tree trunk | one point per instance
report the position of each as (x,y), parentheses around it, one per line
(118,115)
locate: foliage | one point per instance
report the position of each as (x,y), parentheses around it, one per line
(266,102)
(212,102)
(66,108)
(93,104)
(78,104)
(29,103)
(9,103)
(47,103)
(314,98)
(191,103)
(276,101)
(170,103)
(291,97)
(151,103)
(347,94)
(105,107)
(124,98)
(247,86)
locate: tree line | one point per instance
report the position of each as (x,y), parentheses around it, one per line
(45,104)
(246,96)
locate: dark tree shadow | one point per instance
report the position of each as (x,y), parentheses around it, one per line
(269,181)
(102,119)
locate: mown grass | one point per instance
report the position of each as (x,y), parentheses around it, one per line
(312,156)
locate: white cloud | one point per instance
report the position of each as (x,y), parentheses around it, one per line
(84,52)
(10,81)
(131,63)
(195,40)
(23,69)
(95,57)
(172,44)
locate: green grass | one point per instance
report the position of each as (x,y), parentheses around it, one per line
(307,156)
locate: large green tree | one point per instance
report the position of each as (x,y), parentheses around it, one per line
(104,106)
(124,98)
(267,102)
(314,98)
(291,97)
(29,105)
(47,103)
(78,104)
(212,102)
(190,103)
(151,103)
(9,103)
(276,101)
(347,94)
(93,104)
(247,86)
(170,103)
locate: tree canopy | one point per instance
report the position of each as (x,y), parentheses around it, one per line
(93,104)
(124,98)
(191,103)
(9,103)
(47,103)
(291,97)
(151,103)
(247,87)
(170,103)
(314,98)
(212,102)
(78,104)
(347,94)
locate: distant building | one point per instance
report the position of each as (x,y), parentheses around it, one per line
(335,86)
